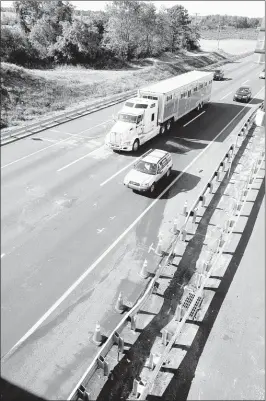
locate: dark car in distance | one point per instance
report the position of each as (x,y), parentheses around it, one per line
(218,75)
(243,94)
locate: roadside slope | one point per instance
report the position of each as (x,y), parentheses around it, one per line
(27,94)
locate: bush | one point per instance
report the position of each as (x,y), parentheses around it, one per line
(15,47)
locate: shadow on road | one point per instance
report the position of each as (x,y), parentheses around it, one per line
(185,183)
(183,138)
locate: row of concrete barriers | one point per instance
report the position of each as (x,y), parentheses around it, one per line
(16,133)
(179,234)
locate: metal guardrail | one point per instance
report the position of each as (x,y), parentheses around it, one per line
(44,123)
(145,389)
(129,316)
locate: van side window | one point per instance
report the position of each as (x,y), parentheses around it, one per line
(189,93)
(169,97)
(152,117)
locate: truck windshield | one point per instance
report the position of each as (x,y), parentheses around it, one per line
(145,167)
(128,118)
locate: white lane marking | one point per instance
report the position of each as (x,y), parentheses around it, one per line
(2,255)
(243,83)
(47,147)
(77,160)
(194,119)
(99,230)
(108,250)
(122,169)
(95,126)
(118,172)
(112,218)
(34,153)
(226,95)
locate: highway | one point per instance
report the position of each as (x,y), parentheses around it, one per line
(73,235)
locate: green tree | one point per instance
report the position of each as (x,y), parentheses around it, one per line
(121,33)
(48,28)
(79,42)
(179,22)
(28,13)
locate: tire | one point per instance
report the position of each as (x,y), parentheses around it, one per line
(168,172)
(198,107)
(135,146)
(162,129)
(169,125)
(152,188)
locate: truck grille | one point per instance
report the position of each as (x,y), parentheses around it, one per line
(115,138)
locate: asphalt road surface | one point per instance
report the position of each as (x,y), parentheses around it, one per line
(68,222)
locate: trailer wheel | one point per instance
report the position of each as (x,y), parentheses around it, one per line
(168,125)
(162,129)
(135,146)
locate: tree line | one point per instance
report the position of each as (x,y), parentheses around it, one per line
(53,32)
(39,33)
(212,21)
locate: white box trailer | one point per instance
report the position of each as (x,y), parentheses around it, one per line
(157,106)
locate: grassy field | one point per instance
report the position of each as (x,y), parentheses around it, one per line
(230,33)
(231,46)
(34,93)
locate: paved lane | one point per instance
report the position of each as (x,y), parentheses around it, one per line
(59,222)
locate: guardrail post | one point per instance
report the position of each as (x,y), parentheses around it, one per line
(210,186)
(135,388)
(164,336)
(185,208)
(133,322)
(178,313)
(202,199)
(150,364)
(183,234)
(83,395)
(119,341)
(103,365)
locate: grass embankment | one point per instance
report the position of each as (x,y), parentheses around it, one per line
(28,94)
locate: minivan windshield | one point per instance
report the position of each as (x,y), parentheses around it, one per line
(146,167)
(127,118)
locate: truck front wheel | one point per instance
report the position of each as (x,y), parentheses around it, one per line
(135,146)
(162,129)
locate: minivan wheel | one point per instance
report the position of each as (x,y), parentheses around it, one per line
(198,108)
(152,188)
(168,172)
(135,146)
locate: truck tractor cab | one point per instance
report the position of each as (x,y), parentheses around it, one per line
(136,119)
(149,110)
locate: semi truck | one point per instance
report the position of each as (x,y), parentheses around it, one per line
(157,107)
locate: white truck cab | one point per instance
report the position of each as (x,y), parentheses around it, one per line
(136,124)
